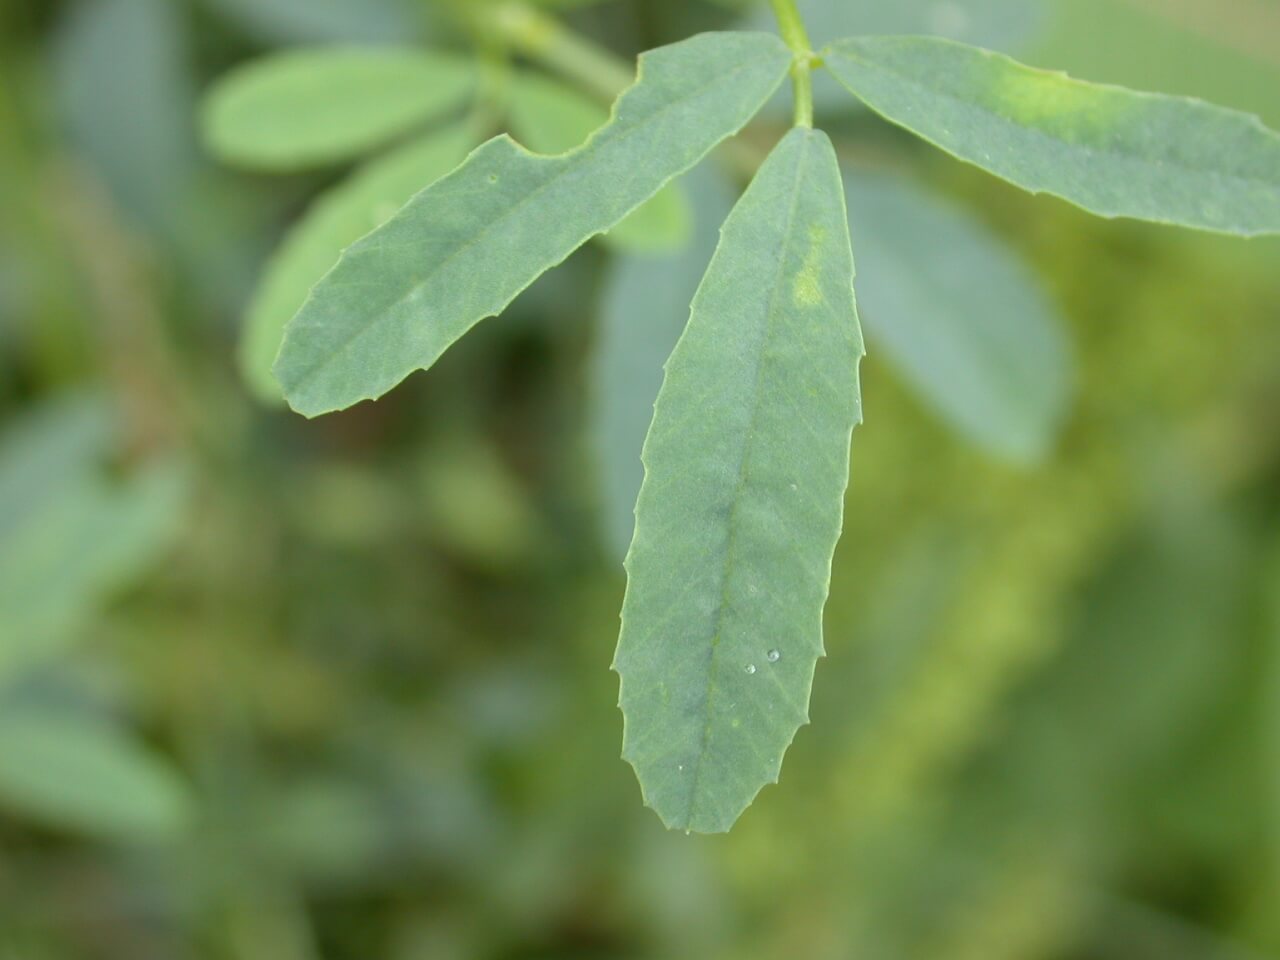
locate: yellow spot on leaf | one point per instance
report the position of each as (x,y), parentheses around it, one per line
(1052,100)
(807,290)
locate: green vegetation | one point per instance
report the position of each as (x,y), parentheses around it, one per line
(287,688)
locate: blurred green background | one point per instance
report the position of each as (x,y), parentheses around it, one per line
(293,690)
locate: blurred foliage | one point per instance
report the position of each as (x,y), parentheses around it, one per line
(276,689)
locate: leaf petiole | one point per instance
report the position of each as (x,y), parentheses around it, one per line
(791,27)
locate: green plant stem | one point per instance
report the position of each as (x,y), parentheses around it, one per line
(793,31)
(546,41)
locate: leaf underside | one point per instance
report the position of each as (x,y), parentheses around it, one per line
(1111,151)
(122,791)
(463,249)
(746,468)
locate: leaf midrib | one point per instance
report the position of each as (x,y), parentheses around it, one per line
(713,666)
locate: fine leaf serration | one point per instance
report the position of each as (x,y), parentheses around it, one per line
(746,463)
(464,248)
(364,201)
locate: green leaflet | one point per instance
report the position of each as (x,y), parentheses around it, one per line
(746,468)
(1112,151)
(466,247)
(644,311)
(551,117)
(962,318)
(72,772)
(310,107)
(338,219)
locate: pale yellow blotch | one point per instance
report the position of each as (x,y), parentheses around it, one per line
(808,291)
(1050,99)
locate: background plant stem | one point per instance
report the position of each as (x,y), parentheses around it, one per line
(544,39)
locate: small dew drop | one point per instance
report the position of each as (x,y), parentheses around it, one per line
(751,668)
(680,767)
(774,656)
(795,487)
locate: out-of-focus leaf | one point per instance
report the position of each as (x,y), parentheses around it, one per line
(323,21)
(70,772)
(52,446)
(71,537)
(126,97)
(645,308)
(552,118)
(338,219)
(463,249)
(960,315)
(1112,151)
(746,468)
(312,107)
